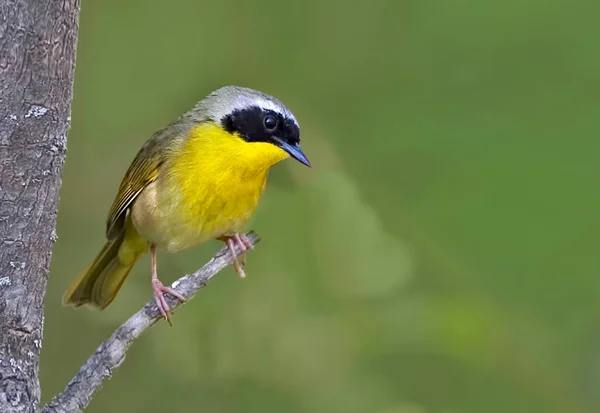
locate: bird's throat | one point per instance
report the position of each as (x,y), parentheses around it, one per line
(212,149)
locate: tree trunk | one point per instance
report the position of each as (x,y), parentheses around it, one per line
(37,60)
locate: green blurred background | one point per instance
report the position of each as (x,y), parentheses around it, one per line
(441,256)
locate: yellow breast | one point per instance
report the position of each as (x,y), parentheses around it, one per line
(210,186)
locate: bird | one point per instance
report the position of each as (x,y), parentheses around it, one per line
(198,179)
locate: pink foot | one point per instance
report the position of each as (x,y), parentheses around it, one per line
(159,289)
(244,243)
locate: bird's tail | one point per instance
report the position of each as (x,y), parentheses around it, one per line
(100,283)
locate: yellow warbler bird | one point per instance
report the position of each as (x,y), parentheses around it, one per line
(198,179)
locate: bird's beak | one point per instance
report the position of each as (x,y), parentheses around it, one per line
(294,151)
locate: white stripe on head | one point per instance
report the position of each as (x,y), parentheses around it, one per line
(225,100)
(276,106)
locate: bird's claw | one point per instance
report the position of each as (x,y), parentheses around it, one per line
(159,290)
(245,244)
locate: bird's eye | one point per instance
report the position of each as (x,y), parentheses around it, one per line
(270,122)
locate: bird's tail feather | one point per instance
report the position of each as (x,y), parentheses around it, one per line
(100,283)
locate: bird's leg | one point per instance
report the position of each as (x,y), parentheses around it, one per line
(244,243)
(159,289)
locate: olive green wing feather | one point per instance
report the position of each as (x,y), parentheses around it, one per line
(143,170)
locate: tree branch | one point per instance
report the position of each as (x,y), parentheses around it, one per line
(110,354)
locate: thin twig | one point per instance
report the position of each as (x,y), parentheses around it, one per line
(110,354)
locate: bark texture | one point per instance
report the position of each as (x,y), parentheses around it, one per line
(37,58)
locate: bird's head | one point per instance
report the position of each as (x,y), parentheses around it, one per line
(254,117)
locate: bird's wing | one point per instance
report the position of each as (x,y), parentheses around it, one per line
(143,170)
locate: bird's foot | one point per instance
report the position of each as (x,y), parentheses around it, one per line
(245,245)
(159,289)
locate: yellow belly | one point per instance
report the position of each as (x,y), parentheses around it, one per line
(209,188)
(173,223)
